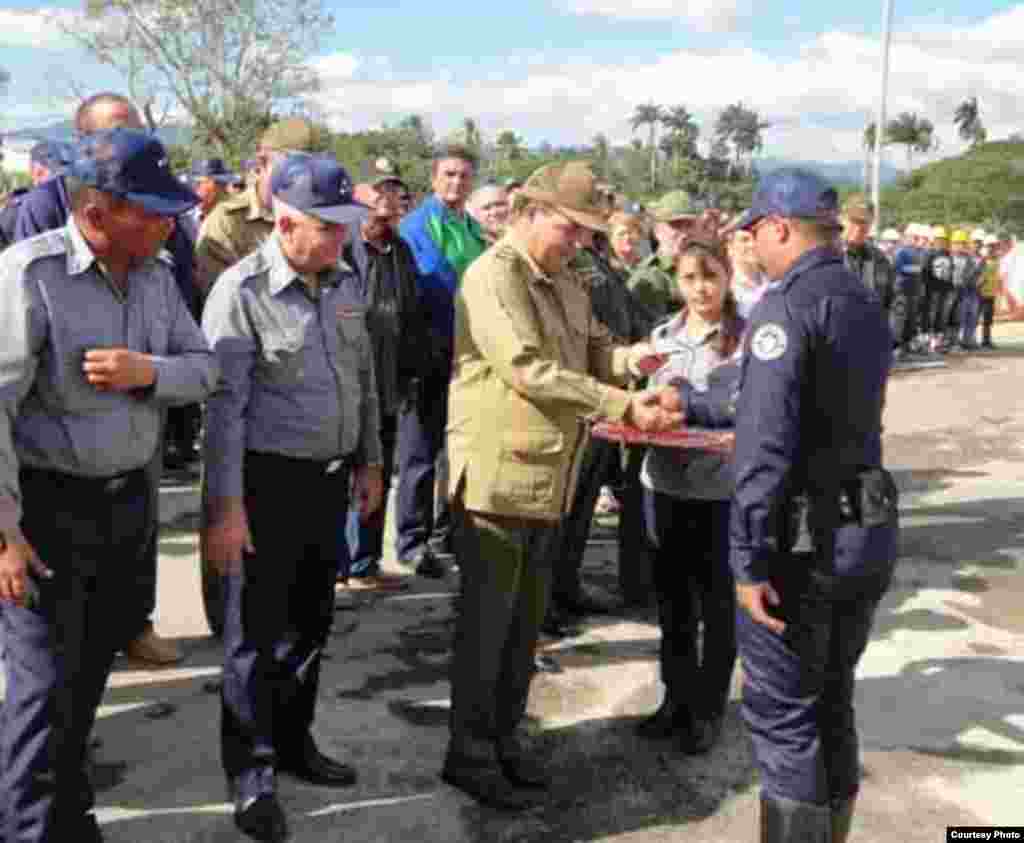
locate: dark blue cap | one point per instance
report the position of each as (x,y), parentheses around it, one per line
(54,155)
(316,185)
(792,192)
(211,168)
(133,165)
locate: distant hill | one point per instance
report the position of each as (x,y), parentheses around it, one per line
(839,172)
(65,131)
(984,186)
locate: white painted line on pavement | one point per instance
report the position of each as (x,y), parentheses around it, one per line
(343,807)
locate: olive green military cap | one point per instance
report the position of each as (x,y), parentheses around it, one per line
(572,189)
(858,208)
(675,205)
(294,134)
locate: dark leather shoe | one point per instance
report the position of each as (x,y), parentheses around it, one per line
(316,768)
(519,768)
(263,820)
(487,784)
(428,565)
(585,603)
(558,626)
(668,721)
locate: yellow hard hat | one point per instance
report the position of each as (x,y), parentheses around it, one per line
(960,236)
(939,233)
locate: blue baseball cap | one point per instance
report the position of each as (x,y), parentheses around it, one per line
(316,185)
(792,192)
(131,164)
(211,168)
(54,155)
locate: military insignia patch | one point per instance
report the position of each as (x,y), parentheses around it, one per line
(769,342)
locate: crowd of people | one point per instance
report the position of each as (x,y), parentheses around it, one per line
(316,341)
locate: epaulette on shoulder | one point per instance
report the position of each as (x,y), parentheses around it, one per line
(46,245)
(234,204)
(506,254)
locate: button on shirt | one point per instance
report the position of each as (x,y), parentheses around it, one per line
(56,303)
(689,475)
(297,373)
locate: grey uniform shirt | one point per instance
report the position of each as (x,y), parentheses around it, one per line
(56,302)
(296,370)
(690,475)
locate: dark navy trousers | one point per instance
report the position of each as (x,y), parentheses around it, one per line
(798,686)
(94,534)
(278,614)
(365,539)
(421,427)
(693,582)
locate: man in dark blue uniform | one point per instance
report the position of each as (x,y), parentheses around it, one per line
(808,448)
(97,343)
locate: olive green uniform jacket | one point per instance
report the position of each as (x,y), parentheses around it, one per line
(235,228)
(528,366)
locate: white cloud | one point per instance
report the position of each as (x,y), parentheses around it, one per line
(704,15)
(818,99)
(37,28)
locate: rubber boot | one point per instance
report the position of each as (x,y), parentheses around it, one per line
(842,818)
(789,821)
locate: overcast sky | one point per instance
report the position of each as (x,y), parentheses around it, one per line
(563,70)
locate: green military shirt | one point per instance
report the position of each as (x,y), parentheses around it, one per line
(235,228)
(653,283)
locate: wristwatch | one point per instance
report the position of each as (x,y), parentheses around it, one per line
(3,542)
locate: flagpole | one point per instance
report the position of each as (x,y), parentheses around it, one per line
(880,119)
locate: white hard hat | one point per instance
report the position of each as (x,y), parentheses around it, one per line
(978,235)
(990,240)
(891,234)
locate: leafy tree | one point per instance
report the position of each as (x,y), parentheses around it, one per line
(967,119)
(602,151)
(652,116)
(916,133)
(740,129)
(680,144)
(510,148)
(230,65)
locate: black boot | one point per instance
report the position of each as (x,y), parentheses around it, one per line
(788,821)
(842,818)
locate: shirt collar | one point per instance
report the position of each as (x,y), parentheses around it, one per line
(282,274)
(676,328)
(809,259)
(256,210)
(80,254)
(519,247)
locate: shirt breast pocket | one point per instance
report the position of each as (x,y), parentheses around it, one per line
(282,357)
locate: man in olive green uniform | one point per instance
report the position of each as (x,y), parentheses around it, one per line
(676,215)
(528,352)
(239,225)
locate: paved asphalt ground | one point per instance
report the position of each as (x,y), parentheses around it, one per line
(940,696)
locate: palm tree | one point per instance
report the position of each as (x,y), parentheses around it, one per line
(472,134)
(650,115)
(682,137)
(740,128)
(967,119)
(916,133)
(602,153)
(869,152)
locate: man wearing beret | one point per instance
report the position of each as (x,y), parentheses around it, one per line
(98,342)
(239,226)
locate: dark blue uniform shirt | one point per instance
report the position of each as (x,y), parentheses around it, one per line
(808,415)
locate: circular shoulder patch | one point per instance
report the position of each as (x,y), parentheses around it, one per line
(769,342)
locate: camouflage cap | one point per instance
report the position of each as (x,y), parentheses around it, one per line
(858,208)
(676,205)
(295,134)
(572,189)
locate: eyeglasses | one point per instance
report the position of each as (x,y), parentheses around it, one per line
(757,225)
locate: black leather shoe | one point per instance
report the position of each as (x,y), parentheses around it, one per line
(89,831)
(428,565)
(519,768)
(487,784)
(263,820)
(316,768)
(585,603)
(668,721)
(558,626)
